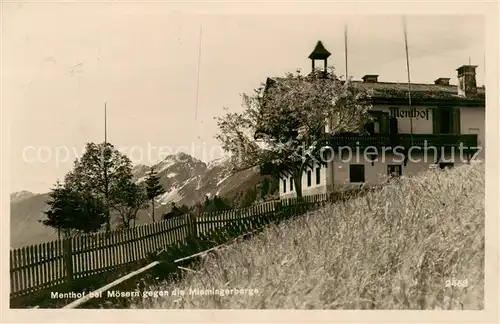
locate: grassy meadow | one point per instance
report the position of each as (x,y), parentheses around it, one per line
(394,249)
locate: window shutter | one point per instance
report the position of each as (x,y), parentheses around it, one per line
(384,123)
(436,121)
(456,120)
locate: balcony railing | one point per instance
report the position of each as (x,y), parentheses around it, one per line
(404,140)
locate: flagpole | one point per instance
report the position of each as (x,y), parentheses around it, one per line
(409,82)
(345,50)
(105,166)
(105,125)
(198,76)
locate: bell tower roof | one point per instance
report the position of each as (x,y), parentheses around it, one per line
(319,52)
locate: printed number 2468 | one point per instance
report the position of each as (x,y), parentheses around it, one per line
(456,283)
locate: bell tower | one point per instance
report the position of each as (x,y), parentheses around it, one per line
(319,53)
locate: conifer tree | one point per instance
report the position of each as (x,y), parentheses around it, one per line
(57,215)
(73,211)
(153,189)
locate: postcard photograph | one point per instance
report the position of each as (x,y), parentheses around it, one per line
(173,160)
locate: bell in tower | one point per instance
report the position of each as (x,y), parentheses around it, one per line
(319,53)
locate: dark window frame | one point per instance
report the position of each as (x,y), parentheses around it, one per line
(393,126)
(284,185)
(318,175)
(446,120)
(309,178)
(291,183)
(354,177)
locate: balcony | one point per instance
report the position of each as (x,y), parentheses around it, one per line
(405,140)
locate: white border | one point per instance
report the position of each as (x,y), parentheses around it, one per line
(490,314)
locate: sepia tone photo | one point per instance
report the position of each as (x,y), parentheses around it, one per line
(161,159)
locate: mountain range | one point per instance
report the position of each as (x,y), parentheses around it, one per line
(186,180)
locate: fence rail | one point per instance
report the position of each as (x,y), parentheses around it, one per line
(60,262)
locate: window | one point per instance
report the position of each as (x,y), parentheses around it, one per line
(284,185)
(318,174)
(357,173)
(445,165)
(393,125)
(370,128)
(446,120)
(373,126)
(380,123)
(291,183)
(309,178)
(394,170)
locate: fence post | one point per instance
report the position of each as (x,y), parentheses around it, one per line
(278,211)
(192,226)
(68,261)
(277,206)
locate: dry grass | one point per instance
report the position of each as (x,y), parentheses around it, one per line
(394,249)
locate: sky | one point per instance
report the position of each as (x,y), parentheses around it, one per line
(61,62)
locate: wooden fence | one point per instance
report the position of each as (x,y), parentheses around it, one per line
(60,262)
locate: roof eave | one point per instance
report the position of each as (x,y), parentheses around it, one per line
(429,101)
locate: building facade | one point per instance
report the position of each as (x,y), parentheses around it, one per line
(443,127)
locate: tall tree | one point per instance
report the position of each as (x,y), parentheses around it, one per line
(249,197)
(283,127)
(154,189)
(101,173)
(129,199)
(264,188)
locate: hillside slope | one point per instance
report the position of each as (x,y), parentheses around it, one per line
(185,179)
(24,225)
(21,195)
(416,244)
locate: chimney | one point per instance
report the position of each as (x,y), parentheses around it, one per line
(442,81)
(373,78)
(467,80)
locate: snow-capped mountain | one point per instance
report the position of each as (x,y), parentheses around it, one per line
(186,180)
